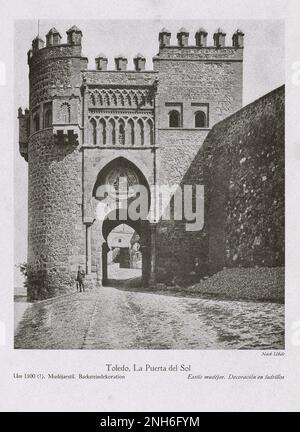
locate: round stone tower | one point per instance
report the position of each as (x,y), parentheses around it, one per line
(56,236)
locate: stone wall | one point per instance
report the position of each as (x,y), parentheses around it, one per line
(241,165)
(52,68)
(245,183)
(125,78)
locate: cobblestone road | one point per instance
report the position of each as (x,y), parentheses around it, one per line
(112,318)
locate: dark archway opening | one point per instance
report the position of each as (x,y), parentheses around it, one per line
(126,259)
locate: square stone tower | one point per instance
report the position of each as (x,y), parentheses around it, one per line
(199,85)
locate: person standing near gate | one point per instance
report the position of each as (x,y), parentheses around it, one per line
(80,278)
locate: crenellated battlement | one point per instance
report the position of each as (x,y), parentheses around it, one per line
(53,39)
(72,48)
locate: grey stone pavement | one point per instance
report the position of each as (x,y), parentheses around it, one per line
(130,318)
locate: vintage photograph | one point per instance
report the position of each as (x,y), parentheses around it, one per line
(149,184)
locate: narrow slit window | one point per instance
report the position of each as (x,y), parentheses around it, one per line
(36,123)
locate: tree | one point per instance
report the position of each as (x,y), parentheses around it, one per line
(23,270)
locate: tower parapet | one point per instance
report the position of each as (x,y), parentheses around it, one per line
(55,81)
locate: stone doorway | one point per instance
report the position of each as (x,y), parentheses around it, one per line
(135,257)
(131,262)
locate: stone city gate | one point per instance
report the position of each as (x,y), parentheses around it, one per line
(80,120)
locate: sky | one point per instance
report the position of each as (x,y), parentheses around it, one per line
(263,70)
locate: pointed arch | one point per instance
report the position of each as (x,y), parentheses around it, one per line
(133,168)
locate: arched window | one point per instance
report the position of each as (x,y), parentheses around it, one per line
(36,123)
(93,131)
(174,119)
(48,118)
(111,132)
(121,133)
(200,119)
(102,126)
(149,132)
